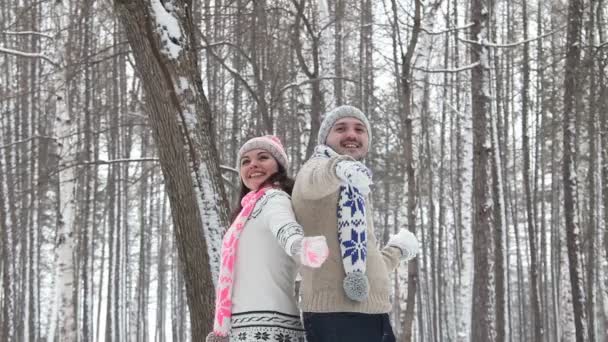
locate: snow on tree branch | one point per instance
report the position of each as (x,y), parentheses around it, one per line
(228,168)
(447,30)
(511,45)
(25,140)
(295,85)
(27,33)
(27,55)
(454,70)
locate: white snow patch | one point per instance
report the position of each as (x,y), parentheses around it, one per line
(208,202)
(168,28)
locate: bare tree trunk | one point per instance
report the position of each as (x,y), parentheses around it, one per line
(571,91)
(406,82)
(592,264)
(483,318)
(499,231)
(498,196)
(434,240)
(181,120)
(85,245)
(545,275)
(604,126)
(144,245)
(338,46)
(316,100)
(6,331)
(66,135)
(463,185)
(556,260)
(534,300)
(161,289)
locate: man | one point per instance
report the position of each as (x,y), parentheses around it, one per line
(346,299)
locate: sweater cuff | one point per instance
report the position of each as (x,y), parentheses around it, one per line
(289,245)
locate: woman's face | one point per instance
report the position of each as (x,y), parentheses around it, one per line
(256,166)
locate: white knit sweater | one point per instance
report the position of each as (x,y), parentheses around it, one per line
(263,291)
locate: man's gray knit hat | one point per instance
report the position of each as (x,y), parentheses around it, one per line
(337,114)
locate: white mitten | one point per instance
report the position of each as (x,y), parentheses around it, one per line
(355,174)
(407,242)
(312,250)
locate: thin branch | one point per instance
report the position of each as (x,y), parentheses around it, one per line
(455,70)
(510,45)
(296,85)
(209,46)
(229,182)
(602,45)
(27,55)
(27,33)
(453,108)
(116,161)
(229,168)
(448,30)
(25,140)
(239,50)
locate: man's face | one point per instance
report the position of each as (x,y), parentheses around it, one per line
(349,136)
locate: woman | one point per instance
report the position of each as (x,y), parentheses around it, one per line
(261,252)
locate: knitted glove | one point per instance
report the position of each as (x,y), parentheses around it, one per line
(407,242)
(214,338)
(311,250)
(355,174)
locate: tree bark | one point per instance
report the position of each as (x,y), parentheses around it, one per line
(180,116)
(483,317)
(571,91)
(316,99)
(66,135)
(406,62)
(532,240)
(338,46)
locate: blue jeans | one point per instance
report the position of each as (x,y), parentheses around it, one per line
(347,327)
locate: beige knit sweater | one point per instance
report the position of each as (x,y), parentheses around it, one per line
(315,199)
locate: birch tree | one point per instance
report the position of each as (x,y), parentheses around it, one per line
(571,91)
(66,135)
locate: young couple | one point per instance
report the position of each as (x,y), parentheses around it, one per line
(329,239)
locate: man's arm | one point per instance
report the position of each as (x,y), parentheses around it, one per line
(318,178)
(391,256)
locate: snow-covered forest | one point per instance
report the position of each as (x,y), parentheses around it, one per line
(120,121)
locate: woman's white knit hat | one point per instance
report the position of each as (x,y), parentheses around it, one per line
(269,143)
(337,114)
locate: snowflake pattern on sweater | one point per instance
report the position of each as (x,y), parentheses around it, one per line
(269,326)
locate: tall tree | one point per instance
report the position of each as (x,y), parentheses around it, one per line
(163,40)
(537,322)
(591,255)
(483,317)
(66,135)
(408,148)
(312,72)
(571,92)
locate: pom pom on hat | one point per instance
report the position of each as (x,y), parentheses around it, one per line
(269,143)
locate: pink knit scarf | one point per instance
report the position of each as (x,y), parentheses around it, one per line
(223,292)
